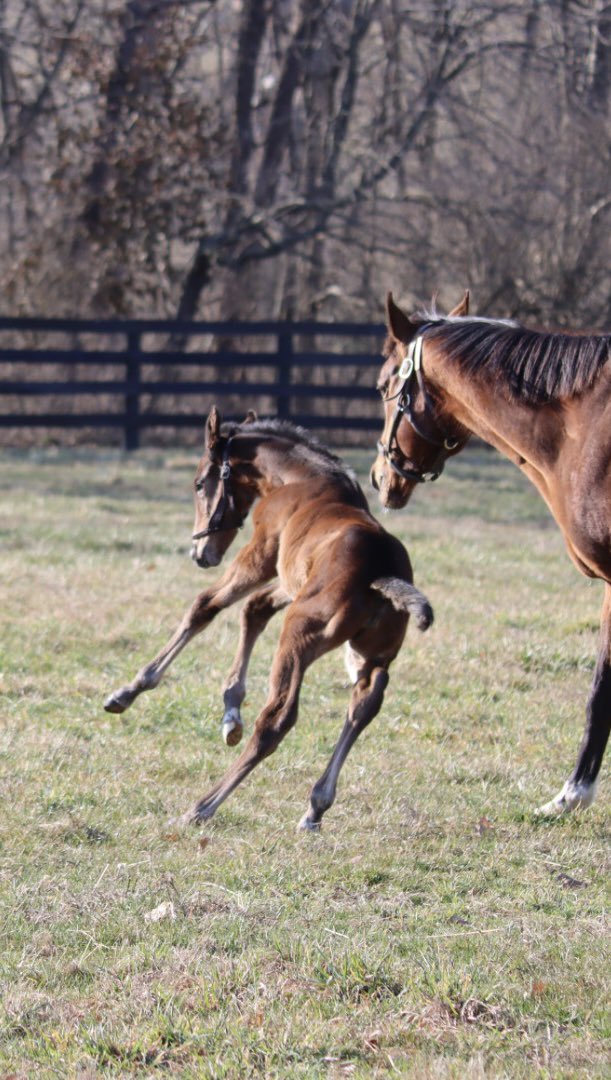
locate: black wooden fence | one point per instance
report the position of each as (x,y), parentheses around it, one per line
(292,376)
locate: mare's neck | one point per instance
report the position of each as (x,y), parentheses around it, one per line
(529,437)
(526,435)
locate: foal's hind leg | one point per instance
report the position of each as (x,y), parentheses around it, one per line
(365,703)
(301,642)
(352,663)
(580,788)
(256,613)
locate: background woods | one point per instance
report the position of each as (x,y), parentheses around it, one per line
(272,158)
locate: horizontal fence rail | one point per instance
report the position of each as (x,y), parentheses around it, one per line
(295,378)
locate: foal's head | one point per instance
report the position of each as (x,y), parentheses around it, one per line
(415,441)
(222,499)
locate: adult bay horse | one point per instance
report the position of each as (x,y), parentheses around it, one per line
(315,548)
(544,401)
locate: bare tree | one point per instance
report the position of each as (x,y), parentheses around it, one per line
(301,156)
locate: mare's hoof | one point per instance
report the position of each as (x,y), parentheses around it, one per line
(232,728)
(305,825)
(117,703)
(572,797)
(554,808)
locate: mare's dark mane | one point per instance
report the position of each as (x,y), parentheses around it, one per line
(536,367)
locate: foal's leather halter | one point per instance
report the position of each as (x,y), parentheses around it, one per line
(412,368)
(225,504)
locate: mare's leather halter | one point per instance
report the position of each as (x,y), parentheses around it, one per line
(412,368)
(225,504)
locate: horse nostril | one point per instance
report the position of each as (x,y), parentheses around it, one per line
(372,479)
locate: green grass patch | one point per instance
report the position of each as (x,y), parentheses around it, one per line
(435,928)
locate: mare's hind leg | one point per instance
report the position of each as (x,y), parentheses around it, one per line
(365,703)
(301,642)
(256,613)
(580,788)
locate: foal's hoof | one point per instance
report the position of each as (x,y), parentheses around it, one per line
(118,702)
(572,797)
(191,818)
(305,825)
(199,813)
(232,728)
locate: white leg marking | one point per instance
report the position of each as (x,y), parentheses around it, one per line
(232,726)
(308,826)
(571,797)
(351,659)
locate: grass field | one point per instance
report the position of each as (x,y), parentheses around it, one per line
(435,928)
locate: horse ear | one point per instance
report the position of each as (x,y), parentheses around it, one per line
(213,429)
(399,325)
(463,307)
(250,417)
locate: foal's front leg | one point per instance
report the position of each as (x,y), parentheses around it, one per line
(256,613)
(246,573)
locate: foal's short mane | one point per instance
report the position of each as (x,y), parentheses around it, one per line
(314,451)
(284,429)
(535,366)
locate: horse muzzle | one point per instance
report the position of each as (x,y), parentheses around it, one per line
(393,489)
(204,557)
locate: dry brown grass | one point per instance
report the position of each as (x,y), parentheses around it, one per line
(435,929)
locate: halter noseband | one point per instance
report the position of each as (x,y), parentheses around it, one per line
(412,366)
(225,502)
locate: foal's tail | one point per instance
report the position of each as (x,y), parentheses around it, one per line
(405,597)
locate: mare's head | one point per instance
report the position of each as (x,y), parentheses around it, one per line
(222,498)
(416,439)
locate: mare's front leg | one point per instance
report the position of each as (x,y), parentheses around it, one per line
(301,641)
(256,613)
(580,788)
(248,570)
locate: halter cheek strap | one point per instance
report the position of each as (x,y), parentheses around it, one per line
(413,358)
(225,504)
(412,367)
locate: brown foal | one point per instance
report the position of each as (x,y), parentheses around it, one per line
(315,548)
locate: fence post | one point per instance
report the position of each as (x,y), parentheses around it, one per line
(285,357)
(132,379)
